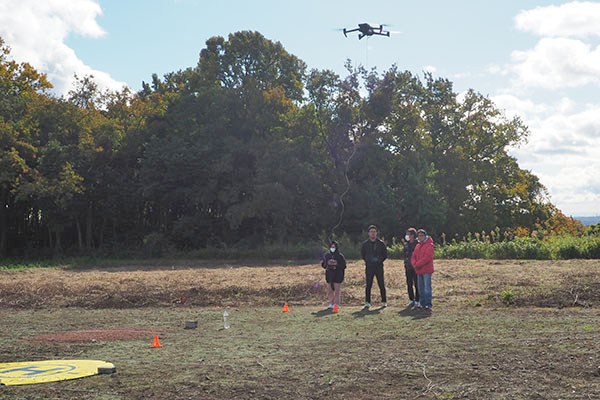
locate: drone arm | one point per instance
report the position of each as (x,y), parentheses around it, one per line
(351,30)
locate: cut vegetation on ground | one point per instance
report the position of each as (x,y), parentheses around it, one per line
(514,329)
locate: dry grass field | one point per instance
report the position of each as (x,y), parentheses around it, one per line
(499,330)
(206,283)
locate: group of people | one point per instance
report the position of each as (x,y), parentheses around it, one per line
(418,265)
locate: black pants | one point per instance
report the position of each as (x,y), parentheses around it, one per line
(411,280)
(371,273)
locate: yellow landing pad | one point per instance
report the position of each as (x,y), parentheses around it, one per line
(28,372)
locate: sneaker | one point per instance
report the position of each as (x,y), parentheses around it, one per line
(417,304)
(330,306)
(410,304)
(428,309)
(367,305)
(418,307)
(384,304)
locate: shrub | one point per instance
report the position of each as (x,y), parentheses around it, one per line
(593,230)
(566,247)
(552,248)
(396,251)
(508,296)
(591,249)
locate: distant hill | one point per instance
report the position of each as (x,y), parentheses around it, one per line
(589,220)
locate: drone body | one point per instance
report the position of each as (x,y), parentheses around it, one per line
(367,30)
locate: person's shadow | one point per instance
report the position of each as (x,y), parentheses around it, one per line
(415,314)
(322,313)
(363,312)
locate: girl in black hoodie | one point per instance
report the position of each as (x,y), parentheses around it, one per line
(334,264)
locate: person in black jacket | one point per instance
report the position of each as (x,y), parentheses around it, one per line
(334,264)
(374,252)
(411,275)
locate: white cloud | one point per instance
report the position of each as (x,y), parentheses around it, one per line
(574,19)
(562,58)
(514,106)
(574,188)
(564,132)
(495,69)
(36,32)
(566,105)
(429,68)
(557,63)
(461,75)
(562,151)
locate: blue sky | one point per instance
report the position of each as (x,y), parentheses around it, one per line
(538,59)
(161,36)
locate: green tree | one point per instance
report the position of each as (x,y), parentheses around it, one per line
(247,148)
(20,87)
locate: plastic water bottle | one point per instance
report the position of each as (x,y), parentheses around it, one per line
(226,319)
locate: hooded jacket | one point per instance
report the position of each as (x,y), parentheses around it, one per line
(422,258)
(334,264)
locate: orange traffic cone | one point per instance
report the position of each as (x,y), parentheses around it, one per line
(335,309)
(285,308)
(156,342)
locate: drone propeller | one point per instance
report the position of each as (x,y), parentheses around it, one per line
(377,25)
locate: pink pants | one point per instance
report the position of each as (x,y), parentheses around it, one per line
(334,294)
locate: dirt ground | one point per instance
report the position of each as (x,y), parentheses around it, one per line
(499,330)
(93,335)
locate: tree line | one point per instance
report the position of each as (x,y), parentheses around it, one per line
(251,147)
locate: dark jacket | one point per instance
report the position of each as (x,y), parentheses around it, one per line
(334,264)
(409,248)
(374,253)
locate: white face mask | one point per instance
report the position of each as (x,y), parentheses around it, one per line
(332,249)
(407,237)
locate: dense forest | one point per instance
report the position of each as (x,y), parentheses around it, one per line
(251,147)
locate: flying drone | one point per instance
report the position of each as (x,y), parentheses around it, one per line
(367,30)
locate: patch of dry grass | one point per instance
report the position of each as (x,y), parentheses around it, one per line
(460,282)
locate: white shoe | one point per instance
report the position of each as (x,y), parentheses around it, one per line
(330,306)
(410,304)
(383,304)
(367,305)
(417,304)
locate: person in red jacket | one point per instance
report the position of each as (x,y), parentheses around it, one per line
(422,261)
